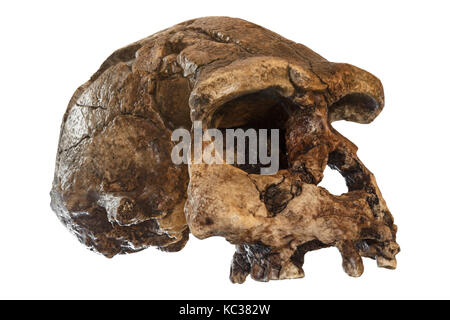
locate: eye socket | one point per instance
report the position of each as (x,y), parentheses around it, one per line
(265,109)
(356,107)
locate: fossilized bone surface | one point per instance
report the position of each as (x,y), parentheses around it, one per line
(117,189)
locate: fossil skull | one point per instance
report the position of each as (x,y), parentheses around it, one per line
(116,188)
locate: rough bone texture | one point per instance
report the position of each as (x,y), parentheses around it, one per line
(116,188)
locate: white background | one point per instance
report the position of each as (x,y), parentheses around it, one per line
(49,48)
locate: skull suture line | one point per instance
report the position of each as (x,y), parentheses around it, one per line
(117,189)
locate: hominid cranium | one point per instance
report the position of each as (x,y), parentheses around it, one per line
(117,189)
